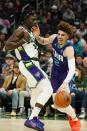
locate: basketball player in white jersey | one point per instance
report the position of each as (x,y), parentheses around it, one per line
(23,42)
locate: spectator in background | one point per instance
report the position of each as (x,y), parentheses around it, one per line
(7,67)
(85,67)
(3,75)
(82,29)
(83,41)
(9,62)
(2,39)
(85,63)
(48,56)
(22,95)
(9,7)
(69,15)
(55,18)
(4,25)
(79,59)
(78,48)
(80,80)
(18,8)
(63,6)
(2,56)
(85,50)
(83,113)
(2,52)
(13,84)
(43,62)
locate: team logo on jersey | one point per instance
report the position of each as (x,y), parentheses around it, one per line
(58,56)
(37,74)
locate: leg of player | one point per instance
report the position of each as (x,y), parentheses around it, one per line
(73,120)
(43,93)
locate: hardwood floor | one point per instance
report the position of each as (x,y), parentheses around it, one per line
(13,124)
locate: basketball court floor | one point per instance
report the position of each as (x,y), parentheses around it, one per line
(17,124)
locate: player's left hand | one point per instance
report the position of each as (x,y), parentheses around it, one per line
(63,87)
(36,30)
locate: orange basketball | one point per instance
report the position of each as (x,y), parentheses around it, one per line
(62,99)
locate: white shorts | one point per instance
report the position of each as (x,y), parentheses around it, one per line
(41,88)
(32,81)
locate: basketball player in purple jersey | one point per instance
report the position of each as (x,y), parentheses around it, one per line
(63,68)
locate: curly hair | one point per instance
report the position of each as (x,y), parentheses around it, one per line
(66,27)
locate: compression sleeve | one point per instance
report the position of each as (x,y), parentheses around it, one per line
(71,72)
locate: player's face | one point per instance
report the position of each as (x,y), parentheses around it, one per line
(62,37)
(31,21)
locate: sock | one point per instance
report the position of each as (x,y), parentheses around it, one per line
(69,111)
(35,112)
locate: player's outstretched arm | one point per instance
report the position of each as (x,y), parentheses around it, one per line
(69,53)
(15,40)
(42,40)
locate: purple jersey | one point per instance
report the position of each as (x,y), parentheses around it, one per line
(60,64)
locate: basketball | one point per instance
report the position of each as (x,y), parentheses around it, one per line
(62,99)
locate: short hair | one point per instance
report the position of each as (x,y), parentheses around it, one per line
(25,15)
(29,13)
(66,27)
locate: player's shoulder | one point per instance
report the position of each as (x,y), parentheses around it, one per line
(53,36)
(19,31)
(20,28)
(69,46)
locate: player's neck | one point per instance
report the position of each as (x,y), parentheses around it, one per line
(25,26)
(60,45)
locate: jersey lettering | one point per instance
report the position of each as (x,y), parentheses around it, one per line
(58,56)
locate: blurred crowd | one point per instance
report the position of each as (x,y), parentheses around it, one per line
(13,82)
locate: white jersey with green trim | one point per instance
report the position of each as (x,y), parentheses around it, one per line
(29,47)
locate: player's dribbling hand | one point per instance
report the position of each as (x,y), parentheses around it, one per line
(36,30)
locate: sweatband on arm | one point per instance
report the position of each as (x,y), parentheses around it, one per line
(71,72)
